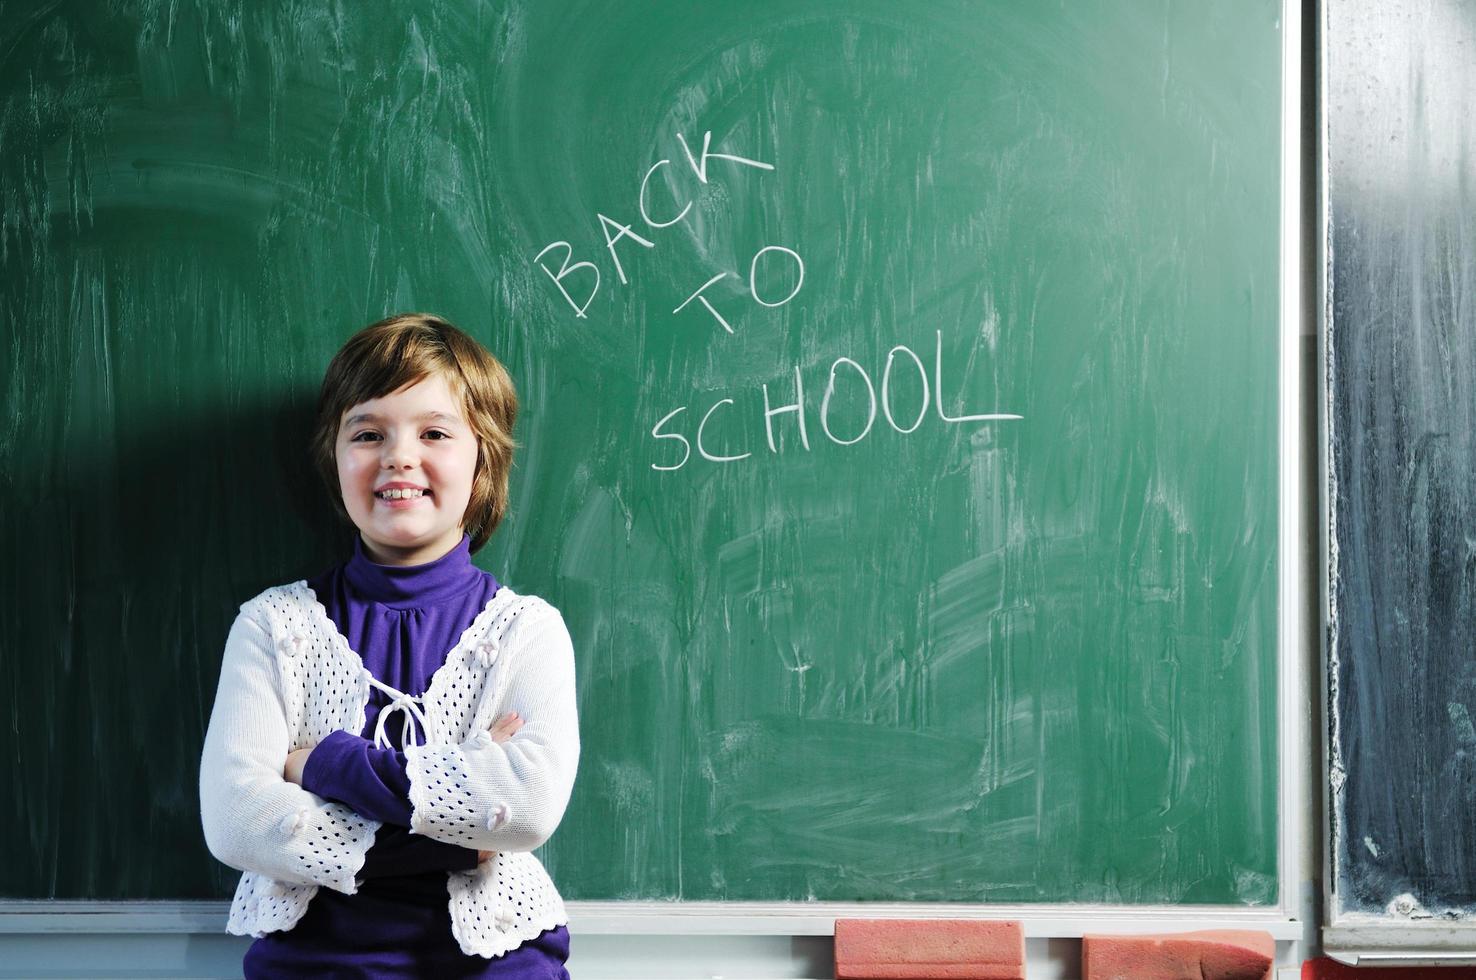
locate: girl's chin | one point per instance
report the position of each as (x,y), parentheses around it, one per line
(403,539)
(407,532)
(388,524)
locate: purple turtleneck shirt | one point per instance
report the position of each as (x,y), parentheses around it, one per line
(402,621)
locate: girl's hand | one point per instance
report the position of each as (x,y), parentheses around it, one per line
(296,761)
(506,727)
(502,729)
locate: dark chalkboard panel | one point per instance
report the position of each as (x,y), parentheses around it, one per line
(1401,363)
(1008,659)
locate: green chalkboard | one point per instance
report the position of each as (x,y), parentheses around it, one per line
(888,650)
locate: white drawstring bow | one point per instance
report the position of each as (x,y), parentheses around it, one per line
(408,705)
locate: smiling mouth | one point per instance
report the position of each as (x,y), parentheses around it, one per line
(391,496)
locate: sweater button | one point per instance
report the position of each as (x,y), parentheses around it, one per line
(486,653)
(293,822)
(497,816)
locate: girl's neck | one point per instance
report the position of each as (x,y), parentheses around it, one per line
(412,585)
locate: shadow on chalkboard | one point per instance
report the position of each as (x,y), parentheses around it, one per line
(226,503)
(308,533)
(144,526)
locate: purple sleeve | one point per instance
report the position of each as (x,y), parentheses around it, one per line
(370,781)
(396,851)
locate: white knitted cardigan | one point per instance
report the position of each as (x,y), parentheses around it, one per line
(288,679)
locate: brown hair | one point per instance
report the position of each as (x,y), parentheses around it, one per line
(401,350)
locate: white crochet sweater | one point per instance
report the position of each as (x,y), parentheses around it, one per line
(288,679)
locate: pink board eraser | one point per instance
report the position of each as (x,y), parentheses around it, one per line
(1328,969)
(929,949)
(1214,954)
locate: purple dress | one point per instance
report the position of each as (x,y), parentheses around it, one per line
(402,621)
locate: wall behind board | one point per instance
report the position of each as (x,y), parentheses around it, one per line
(888,649)
(1401,367)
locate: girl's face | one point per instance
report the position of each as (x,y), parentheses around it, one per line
(416,438)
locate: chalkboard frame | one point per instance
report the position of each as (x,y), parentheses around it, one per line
(1354,937)
(1284,920)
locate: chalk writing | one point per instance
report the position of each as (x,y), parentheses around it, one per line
(801,409)
(668,431)
(615,232)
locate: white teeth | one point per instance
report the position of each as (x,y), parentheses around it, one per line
(400,494)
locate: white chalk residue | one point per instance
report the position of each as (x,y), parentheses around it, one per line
(1408,907)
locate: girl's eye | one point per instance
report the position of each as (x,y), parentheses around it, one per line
(431,432)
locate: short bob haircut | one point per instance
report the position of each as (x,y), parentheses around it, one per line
(402,350)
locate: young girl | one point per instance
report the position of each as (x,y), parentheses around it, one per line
(392,738)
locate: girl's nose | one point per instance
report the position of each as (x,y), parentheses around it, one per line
(398,453)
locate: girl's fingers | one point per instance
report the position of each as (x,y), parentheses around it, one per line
(506,726)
